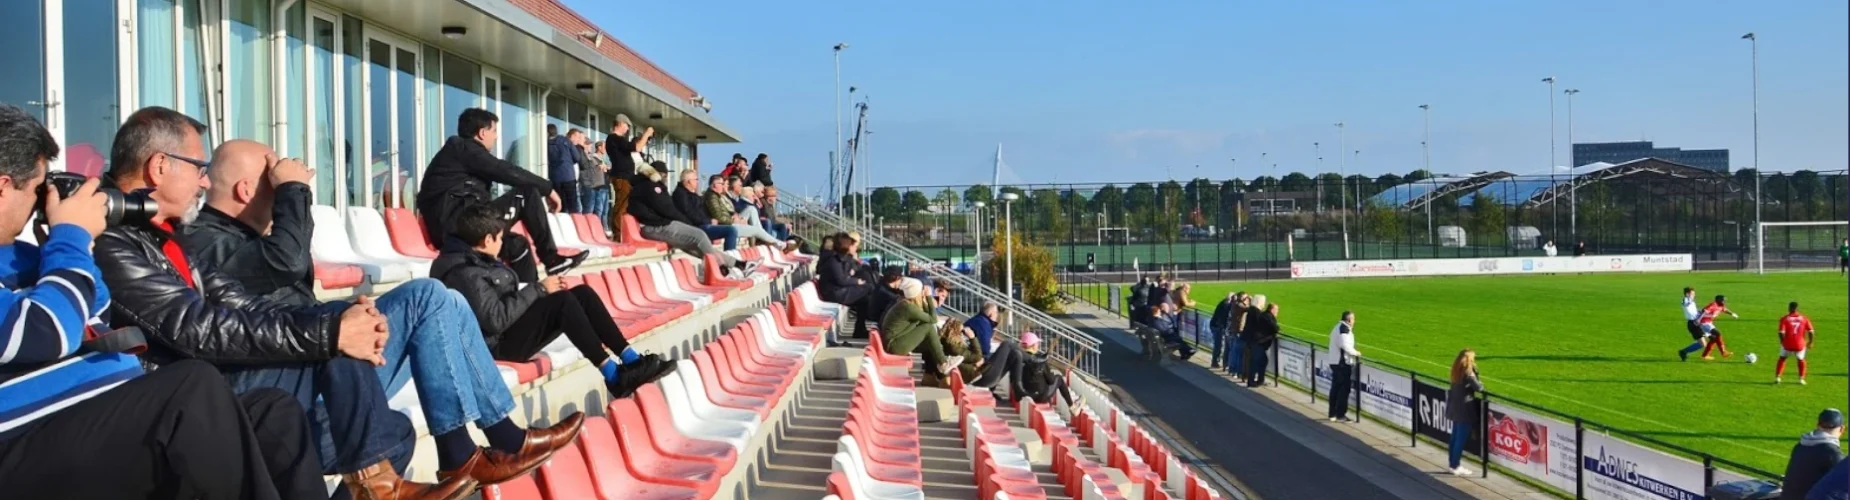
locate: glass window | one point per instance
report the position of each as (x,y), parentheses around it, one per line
(435,124)
(249,106)
(89,83)
(516,122)
(556,108)
(577,114)
(406,156)
(23,61)
(325,110)
(296,54)
(462,81)
(193,71)
(491,101)
(154,42)
(354,67)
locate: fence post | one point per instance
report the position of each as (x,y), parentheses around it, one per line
(1313,375)
(1580,462)
(1274,362)
(1708,473)
(1483,427)
(1413,436)
(1355,386)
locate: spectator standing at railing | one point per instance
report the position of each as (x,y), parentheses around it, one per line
(563,158)
(1814,456)
(1139,300)
(594,181)
(1258,335)
(1342,365)
(761,171)
(1226,346)
(1458,408)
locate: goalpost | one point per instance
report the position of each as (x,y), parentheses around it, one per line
(1122,237)
(1805,244)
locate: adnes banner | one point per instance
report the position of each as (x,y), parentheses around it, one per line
(1495,265)
(1619,470)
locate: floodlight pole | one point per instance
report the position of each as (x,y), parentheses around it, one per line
(1343,190)
(1759,239)
(1426,151)
(1573,184)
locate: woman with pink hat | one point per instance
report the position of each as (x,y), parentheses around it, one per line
(1038,378)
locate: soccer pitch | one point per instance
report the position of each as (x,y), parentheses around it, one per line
(1599,346)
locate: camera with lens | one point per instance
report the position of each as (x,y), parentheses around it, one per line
(120,206)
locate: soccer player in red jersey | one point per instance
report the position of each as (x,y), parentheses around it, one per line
(1708,325)
(1795,336)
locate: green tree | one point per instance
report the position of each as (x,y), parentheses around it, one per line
(1487,219)
(1295,182)
(885,202)
(1139,202)
(1034,268)
(1383,222)
(1387,181)
(1263,183)
(1168,216)
(979,192)
(851,200)
(912,203)
(946,199)
(1047,208)
(1109,200)
(1328,182)
(1416,176)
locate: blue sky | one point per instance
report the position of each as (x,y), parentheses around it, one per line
(1091,91)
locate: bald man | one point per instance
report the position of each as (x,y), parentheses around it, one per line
(255,230)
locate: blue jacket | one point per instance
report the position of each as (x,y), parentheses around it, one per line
(985,329)
(562,160)
(54,295)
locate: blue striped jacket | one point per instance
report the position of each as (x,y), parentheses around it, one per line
(52,294)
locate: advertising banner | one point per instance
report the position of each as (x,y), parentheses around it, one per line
(1488,266)
(1320,370)
(1429,416)
(1387,395)
(1294,361)
(1532,445)
(1619,470)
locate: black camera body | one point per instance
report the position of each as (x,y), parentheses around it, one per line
(132,206)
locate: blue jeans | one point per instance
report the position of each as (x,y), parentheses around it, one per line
(1235,349)
(1255,373)
(1461,435)
(436,342)
(1219,352)
(596,201)
(726,232)
(353,428)
(781,230)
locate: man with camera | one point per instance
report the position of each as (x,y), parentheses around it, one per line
(74,401)
(324,356)
(459,176)
(255,230)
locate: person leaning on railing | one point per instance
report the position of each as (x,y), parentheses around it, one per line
(1465,387)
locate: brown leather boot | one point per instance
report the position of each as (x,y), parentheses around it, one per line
(381,482)
(490,466)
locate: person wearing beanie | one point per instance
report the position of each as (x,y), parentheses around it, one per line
(1814,456)
(1039,382)
(908,328)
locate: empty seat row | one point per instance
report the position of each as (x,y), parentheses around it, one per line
(678,438)
(879,455)
(1132,449)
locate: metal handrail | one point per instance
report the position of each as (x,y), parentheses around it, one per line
(1064,342)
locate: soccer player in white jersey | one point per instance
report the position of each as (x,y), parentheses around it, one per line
(1692,314)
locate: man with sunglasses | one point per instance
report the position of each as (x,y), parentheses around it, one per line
(323,355)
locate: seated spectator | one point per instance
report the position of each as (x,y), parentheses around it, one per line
(255,229)
(1039,381)
(326,356)
(1814,455)
(836,282)
(825,249)
(1168,323)
(687,200)
(1000,358)
(518,322)
(653,208)
(959,342)
(767,207)
(761,171)
(908,328)
(750,206)
(459,176)
(720,208)
(72,406)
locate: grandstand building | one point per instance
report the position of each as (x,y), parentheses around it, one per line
(364,91)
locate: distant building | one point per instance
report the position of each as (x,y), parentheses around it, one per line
(1621,152)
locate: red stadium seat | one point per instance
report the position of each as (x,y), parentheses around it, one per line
(407,233)
(632,235)
(334,276)
(627,414)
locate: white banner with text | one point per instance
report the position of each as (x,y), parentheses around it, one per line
(1490,265)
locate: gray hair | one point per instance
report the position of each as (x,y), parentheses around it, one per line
(151,130)
(990,306)
(1259,301)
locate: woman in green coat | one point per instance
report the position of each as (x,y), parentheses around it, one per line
(909,327)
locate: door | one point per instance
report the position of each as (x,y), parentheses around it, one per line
(32,39)
(392,93)
(491,101)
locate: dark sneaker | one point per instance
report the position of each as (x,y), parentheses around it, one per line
(635,375)
(560,264)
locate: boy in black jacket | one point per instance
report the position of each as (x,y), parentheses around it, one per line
(517,322)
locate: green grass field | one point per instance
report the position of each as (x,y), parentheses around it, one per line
(1599,346)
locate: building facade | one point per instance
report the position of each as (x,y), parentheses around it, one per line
(1621,152)
(364,91)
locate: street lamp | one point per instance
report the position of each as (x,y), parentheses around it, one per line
(834,169)
(1342,142)
(1008,221)
(1426,151)
(1573,186)
(1760,253)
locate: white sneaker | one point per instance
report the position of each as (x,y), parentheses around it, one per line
(1334,419)
(949,364)
(1775,380)
(1461,471)
(1801,381)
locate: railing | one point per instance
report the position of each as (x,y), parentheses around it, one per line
(1407,400)
(1061,341)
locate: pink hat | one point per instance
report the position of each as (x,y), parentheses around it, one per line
(1029,339)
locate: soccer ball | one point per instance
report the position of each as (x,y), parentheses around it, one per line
(1751,358)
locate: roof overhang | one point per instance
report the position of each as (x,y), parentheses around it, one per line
(1472,183)
(1680,174)
(518,42)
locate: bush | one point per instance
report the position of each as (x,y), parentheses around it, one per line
(1034,271)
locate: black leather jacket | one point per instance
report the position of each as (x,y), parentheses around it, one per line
(491,288)
(276,266)
(215,321)
(459,176)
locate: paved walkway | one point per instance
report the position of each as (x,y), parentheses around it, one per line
(1273,442)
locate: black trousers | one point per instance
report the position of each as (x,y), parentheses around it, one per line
(177,432)
(858,299)
(578,313)
(568,196)
(1004,360)
(529,207)
(1342,379)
